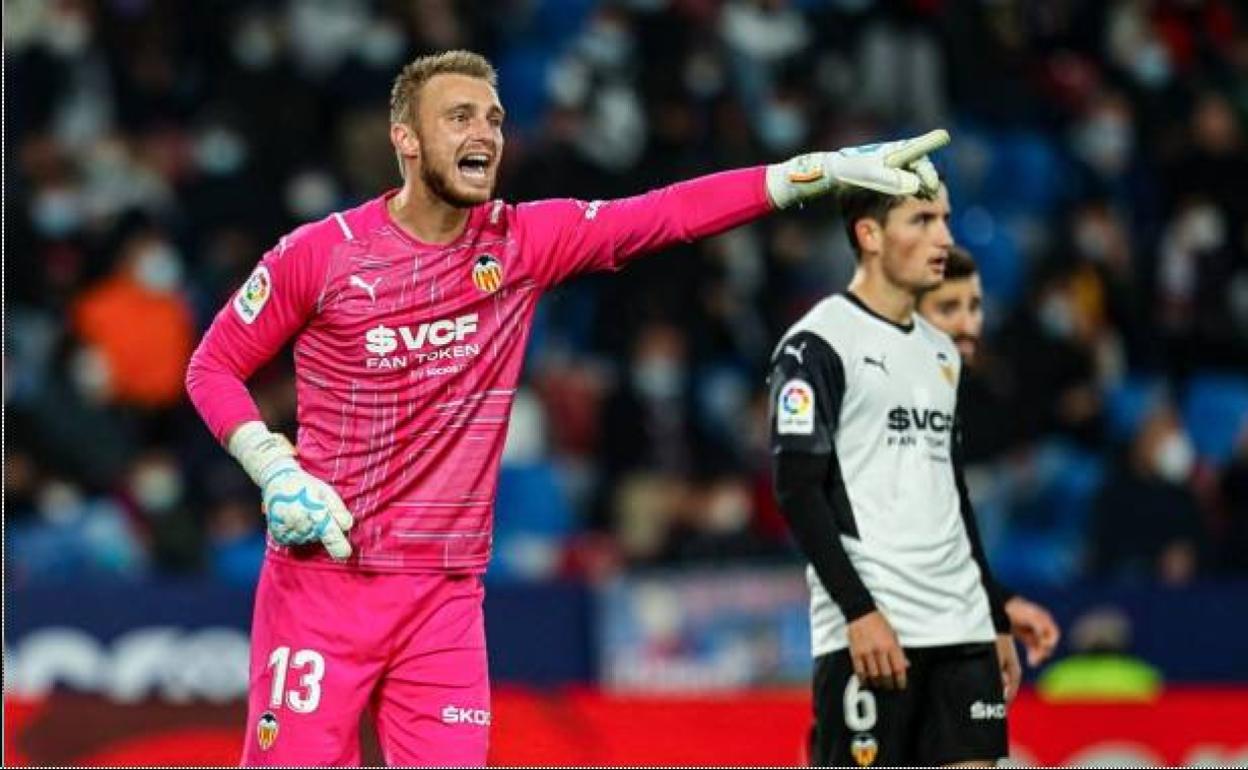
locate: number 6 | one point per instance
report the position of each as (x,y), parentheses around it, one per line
(859,705)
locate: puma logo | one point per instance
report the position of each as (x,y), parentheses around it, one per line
(877,363)
(796,352)
(371,289)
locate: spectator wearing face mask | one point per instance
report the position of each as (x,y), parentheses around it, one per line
(1148,521)
(648,423)
(155,494)
(1060,348)
(135,327)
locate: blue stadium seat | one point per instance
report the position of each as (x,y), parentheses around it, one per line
(1026,173)
(1215,411)
(1129,403)
(1043,544)
(1003,185)
(238,561)
(987,235)
(1037,558)
(522,82)
(532,521)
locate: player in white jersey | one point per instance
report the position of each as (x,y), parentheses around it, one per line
(914,663)
(956,307)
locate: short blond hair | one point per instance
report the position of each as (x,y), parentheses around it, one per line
(407,85)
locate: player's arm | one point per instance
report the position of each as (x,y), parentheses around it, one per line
(576,236)
(1011,672)
(807,384)
(274,303)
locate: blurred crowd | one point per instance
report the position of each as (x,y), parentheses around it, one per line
(1099,173)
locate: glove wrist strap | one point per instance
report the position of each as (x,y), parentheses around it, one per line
(797,179)
(262,454)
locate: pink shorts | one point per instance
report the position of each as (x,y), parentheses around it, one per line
(326,644)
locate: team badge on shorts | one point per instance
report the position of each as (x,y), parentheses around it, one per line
(864,748)
(251,299)
(266,730)
(487,274)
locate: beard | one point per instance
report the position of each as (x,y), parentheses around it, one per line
(439,183)
(437,177)
(968,347)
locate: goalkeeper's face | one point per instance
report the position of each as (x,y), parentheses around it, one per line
(956,307)
(915,243)
(459,130)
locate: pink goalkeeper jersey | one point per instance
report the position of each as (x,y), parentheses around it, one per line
(407,354)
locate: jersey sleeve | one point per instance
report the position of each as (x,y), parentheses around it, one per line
(566,237)
(275,302)
(806,386)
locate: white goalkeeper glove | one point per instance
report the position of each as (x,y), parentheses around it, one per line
(892,168)
(299,507)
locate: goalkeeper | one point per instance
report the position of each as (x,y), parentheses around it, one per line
(409,316)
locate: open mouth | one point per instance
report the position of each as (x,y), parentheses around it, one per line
(475,165)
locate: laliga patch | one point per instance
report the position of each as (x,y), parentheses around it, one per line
(864,748)
(795,409)
(251,299)
(487,274)
(266,730)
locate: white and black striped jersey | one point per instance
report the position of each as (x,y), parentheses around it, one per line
(874,403)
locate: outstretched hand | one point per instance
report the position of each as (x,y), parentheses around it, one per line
(890,168)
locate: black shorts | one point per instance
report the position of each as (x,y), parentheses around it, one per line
(952,710)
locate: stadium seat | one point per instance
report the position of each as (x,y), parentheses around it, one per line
(1052,502)
(1129,403)
(1215,411)
(532,521)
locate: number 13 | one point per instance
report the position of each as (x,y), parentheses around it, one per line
(307,697)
